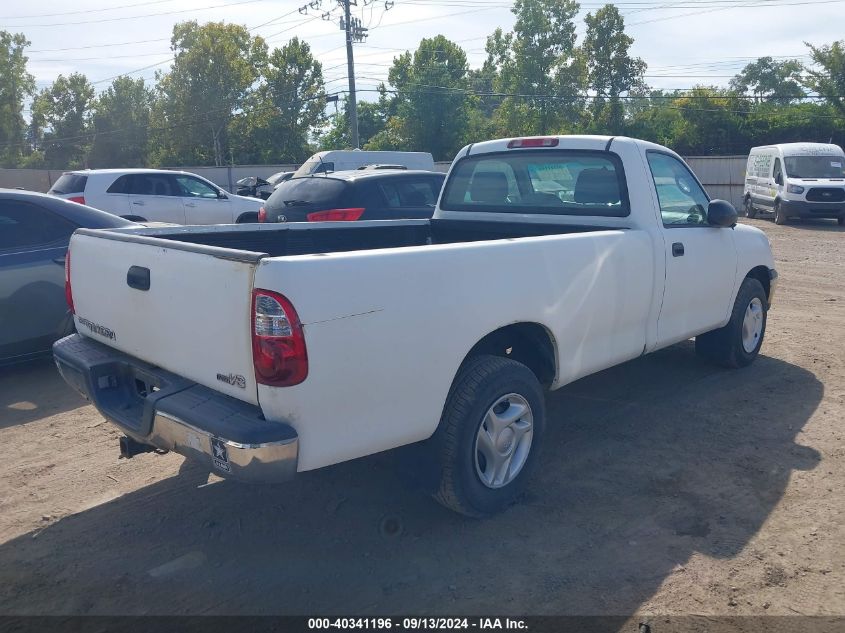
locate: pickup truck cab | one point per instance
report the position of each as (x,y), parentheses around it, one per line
(267,350)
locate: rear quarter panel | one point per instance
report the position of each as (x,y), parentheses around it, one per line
(387,330)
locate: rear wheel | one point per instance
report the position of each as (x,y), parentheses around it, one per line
(780,216)
(750,211)
(489,435)
(738,343)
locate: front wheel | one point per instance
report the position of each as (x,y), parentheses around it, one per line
(489,436)
(750,211)
(738,343)
(780,216)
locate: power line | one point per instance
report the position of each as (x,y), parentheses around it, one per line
(54,15)
(136,17)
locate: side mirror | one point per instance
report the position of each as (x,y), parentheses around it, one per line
(721,213)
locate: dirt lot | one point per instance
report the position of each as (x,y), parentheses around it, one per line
(667,486)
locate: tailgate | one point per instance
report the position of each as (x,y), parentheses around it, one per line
(194,319)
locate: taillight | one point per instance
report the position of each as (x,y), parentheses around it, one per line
(68,292)
(79,199)
(336,215)
(548,141)
(262,214)
(278,343)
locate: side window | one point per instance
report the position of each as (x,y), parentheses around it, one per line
(682,200)
(777,172)
(150,185)
(121,185)
(25,225)
(409,193)
(191,187)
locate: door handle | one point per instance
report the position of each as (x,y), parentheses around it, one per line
(190,204)
(140,203)
(59,260)
(678,249)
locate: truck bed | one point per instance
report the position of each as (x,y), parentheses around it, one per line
(304,238)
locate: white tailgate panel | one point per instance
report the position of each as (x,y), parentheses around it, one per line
(193,321)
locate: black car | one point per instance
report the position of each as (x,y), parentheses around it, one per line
(355,195)
(35,230)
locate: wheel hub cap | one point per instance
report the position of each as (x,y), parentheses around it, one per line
(503,441)
(752,325)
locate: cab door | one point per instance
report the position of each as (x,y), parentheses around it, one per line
(700,259)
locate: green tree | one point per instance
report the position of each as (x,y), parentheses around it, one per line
(121,124)
(432,100)
(538,65)
(15,85)
(285,110)
(63,115)
(711,122)
(372,119)
(829,80)
(611,70)
(770,80)
(214,69)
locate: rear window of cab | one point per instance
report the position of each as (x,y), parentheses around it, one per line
(556,182)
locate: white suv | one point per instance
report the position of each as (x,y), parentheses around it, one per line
(156,195)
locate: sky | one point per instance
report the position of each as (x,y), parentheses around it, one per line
(684,42)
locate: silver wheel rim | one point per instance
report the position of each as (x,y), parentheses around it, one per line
(503,441)
(752,325)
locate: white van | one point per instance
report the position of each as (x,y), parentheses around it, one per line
(796,180)
(343,160)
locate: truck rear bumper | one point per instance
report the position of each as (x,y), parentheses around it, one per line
(165,411)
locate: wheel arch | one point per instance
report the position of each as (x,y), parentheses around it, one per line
(761,274)
(248,217)
(526,342)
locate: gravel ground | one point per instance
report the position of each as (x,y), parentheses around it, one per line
(667,486)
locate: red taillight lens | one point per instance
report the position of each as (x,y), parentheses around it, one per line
(534,142)
(68,292)
(336,215)
(278,343)
(79,199)
(262,214)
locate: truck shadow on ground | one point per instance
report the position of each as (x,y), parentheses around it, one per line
(32,391)
(644,465)
(813,224)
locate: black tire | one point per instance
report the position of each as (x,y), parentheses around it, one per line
(780,217)
(724,346)
(750,211)
(479,384)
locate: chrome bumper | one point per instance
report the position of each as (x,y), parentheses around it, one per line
(263,462)
(162,410)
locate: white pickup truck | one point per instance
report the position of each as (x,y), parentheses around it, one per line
(267,350)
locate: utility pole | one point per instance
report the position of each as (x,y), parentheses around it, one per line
(350,66)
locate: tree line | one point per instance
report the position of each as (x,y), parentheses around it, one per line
(228,99)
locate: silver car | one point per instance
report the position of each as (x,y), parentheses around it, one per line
(34,233)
